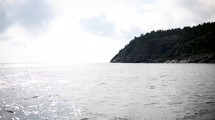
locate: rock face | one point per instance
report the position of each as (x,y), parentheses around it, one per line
(188,45)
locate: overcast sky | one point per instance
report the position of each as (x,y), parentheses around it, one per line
(83,31)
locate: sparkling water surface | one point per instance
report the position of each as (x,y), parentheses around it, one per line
(107,92)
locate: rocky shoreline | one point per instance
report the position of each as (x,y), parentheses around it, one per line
(194,59)
(203,58)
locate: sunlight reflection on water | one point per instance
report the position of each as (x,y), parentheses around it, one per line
(108,91)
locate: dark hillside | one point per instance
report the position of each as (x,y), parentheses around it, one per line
(190,44)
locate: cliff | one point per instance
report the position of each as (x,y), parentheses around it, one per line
(188,45)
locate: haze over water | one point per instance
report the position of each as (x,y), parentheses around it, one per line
(107,92)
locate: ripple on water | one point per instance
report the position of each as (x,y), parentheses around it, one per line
(108,92)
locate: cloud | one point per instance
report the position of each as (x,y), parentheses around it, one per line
(129,35)
(31,14)
(200,10)
(4,21)
(166,14)
(99,25)
(88,30)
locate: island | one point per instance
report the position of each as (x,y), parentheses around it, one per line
(180,45)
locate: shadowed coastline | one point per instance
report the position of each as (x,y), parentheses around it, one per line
(188,45)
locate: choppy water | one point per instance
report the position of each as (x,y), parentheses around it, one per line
(107,92)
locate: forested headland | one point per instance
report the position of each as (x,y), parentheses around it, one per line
(181,45)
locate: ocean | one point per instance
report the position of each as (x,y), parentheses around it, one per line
(107,91)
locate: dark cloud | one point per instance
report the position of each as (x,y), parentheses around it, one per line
(99,25)
(30,13)
(4,21)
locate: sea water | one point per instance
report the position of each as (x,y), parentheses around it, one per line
(107,92)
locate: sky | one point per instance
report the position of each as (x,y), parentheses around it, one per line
(87,31)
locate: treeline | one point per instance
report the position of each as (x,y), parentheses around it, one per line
(173,44)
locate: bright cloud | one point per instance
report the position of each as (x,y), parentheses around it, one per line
(75,31)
